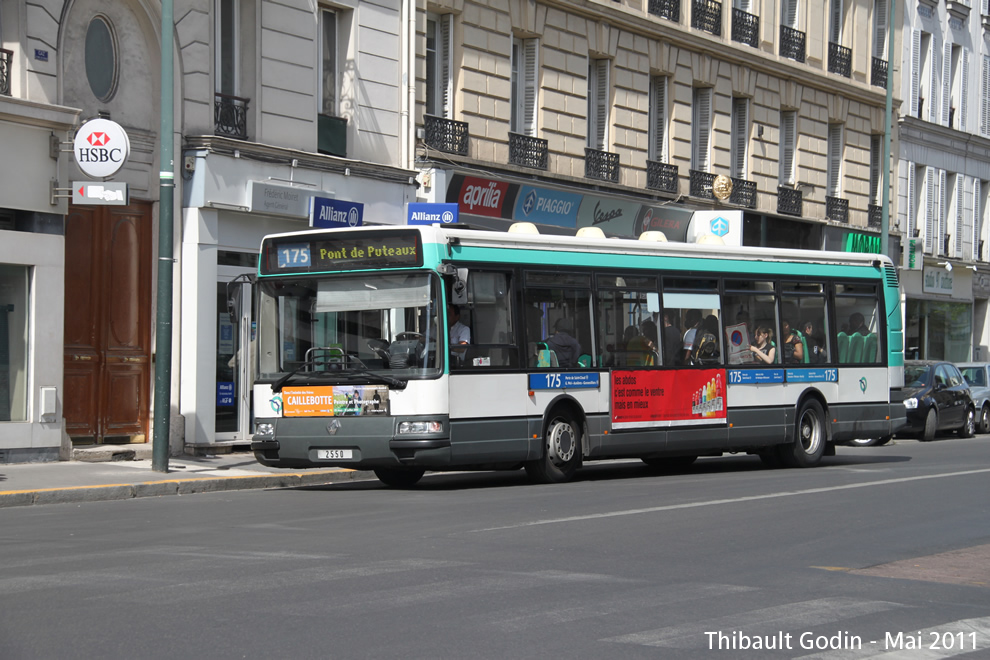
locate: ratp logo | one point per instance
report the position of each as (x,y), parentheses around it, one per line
(720,226)
(862,384)
(276,404)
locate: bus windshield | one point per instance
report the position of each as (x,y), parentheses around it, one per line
(343,325)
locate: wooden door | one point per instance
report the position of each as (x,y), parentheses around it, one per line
(108,322)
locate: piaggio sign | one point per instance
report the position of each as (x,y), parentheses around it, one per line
(101,148)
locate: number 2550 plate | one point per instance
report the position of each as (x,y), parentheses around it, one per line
(334,454)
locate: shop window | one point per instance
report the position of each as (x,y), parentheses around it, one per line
(14,342)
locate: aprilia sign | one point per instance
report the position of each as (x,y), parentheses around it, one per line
(101,148)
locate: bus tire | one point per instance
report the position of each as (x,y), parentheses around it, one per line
(399,477)
(561,451)
(810,437)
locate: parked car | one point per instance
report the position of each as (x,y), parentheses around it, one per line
(977,374)
(937,398)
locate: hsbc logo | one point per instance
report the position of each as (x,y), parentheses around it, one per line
(101,148)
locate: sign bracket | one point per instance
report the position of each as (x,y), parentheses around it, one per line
(58,193)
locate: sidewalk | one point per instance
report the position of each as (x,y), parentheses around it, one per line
(120,472)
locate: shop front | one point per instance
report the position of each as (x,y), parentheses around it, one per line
(938,312)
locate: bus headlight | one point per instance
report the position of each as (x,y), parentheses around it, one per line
(264,428)
(420,428)
(911,403)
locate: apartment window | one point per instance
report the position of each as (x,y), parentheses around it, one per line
(876,156)
(438,79)
(788,142)
(101,59)
(658,119)
(928,80)
(980,189)
(835,22)
(834,147)
(740,137)
(956,183)
(880,12)
(598,104)
(524,90)
(701,128)
(789,13)
(958,80)
(329,83)
(15,300)
(227,47)
(916,175)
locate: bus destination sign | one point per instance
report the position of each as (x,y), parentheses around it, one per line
(346,252)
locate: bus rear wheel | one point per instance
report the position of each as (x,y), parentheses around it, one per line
(561,451)
(399,477)
(810,437)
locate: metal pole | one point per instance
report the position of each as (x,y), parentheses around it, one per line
(166,190)
(887,129)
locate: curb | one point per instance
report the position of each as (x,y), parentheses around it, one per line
(188,486)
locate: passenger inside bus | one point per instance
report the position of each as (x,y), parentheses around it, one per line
(563,344)
(793,344)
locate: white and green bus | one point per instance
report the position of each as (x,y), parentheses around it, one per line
(576,349)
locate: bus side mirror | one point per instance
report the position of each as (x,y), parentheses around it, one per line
(459,289)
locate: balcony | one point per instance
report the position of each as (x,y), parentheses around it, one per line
(745,28)
(602,165)
(230,115)
(6,57)
(878,73)
(789,201)
(669,9)
(839,59)
(331,135)
(527,151)
(874,216)
(837,209)
(743,192)
(707,15)
(661,176)
(446,135)
(792,43)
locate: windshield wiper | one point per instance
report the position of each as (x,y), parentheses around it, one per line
(337,369)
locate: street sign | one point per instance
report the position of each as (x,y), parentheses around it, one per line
(101,148)
(329,213)
(428,214)
(107,193)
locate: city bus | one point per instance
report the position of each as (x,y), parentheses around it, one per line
(570,349)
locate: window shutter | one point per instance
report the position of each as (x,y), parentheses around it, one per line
(740,137)
(787,129)
(985,97)
(958,229)
(529,76)
(940,220)
(876,153)
(946,81)
(602,103)
(912,204)
(915,72)
(702,127)
(658,114)
(835,22)
(977,217)
(929,208)
(834,160)
(964,87)
(933,82)
(880,29)
(444,56)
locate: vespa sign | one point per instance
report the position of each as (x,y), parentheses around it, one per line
(101,148)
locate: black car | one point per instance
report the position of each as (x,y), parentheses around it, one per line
(937,398)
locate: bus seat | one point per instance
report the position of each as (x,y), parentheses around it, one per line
(804,347)
(843,342)
(856,342)
(545,357)
(584,360)
(870,347)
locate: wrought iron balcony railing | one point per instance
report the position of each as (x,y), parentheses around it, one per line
(839,59)
(874,216)
(837,209)
(602,165)
(527,151)
(743,191)
(707,15)
(745,28)
(878,73)
(792,43)
(6,58)
(446,135)
(230,115)
(661,176)
(789,200)
(669,9)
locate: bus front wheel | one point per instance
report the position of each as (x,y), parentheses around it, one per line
(561,451)
(399,477)
(810,437)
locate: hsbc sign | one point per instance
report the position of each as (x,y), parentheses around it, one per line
(101,148)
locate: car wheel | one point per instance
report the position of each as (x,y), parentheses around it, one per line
(968,429)
(931,425)
(984,426)
(561,451)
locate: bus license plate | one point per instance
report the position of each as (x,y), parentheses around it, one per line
(334,454)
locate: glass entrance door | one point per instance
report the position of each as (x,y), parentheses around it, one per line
(234,362)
